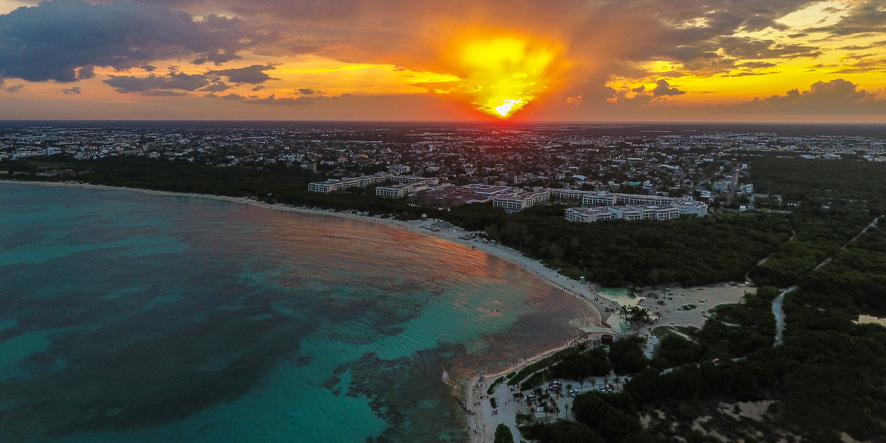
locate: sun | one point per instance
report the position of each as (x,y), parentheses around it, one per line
(505,74)
(508,106)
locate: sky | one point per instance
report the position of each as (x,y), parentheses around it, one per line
(458,60)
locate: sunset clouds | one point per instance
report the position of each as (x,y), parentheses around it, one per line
(582,60)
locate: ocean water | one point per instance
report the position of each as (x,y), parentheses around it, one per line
(127,316)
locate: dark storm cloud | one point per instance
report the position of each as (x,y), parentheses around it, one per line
(834,97)
(251,74)
(151,84)
(53,40)
(665,89)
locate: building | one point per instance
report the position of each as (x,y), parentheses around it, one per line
(594,198)
(629,213)
(573,194)
(590,215)
(599,199)
(692,207)
(403,190)
(518,200)
(362,181)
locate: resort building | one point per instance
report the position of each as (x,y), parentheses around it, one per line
(692,207)
(403,189)
(590,215)
(518,200)
(607,199)
(363,181)
(573,194)
(332,184)
(629,213)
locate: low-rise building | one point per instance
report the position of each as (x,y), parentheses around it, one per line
(590,215)
(518,200)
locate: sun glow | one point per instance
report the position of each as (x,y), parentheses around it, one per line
(505,74)
(508,106)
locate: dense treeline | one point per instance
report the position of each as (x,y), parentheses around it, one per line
(691,251)
(818,182)
(858,272)
(819,233)
(736,330)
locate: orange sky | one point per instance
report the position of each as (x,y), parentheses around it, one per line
(571,60)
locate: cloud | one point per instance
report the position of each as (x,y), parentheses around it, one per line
(151,84)
(15,89)
(86,72)
(834,97)
(62,40)
(305,91)
(574,100)
(862,17)
(74,90)
(297,101)
(757,65)
(251,74)
(663,89)
(217,87)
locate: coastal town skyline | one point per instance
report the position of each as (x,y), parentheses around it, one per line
(796,61)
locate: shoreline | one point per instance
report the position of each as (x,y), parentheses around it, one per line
(583,291)
(688,306)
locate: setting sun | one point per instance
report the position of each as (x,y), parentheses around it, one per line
(505,74)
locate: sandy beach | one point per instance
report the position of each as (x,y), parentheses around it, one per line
(675,306)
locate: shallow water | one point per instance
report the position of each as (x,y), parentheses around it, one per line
(136,317)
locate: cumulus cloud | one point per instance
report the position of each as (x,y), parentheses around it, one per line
(62,40)
(664,89)
(217,87)
(297,101)
(834,97)
(253,75)
(151,84)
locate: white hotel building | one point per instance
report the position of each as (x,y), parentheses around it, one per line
(517,200)
(403,189)
(630,213)
(332,184)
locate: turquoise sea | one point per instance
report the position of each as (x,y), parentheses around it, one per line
(127,316)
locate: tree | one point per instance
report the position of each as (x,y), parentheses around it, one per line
(503,434)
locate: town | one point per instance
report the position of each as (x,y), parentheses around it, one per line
(603,172)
